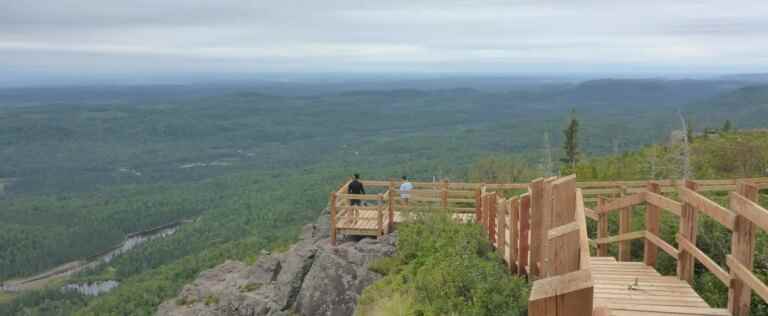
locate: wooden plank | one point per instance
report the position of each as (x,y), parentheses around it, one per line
(710,264)
(570,294)
(688,229)
(664,202)
(523,246)
(507,186)
(749,209)
(602,229)
(743,248)
(536,193)
(561,230)
(623,202)
(501,229)
(623,237)
(742,273)
(652,216)
(656,240)
(563,252)
(584,255)
(362,197)
(721,214)
(625,226)
(513,222)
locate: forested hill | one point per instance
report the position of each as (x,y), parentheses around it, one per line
(747,106)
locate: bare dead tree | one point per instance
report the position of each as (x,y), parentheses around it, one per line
(685,155)
(547,164)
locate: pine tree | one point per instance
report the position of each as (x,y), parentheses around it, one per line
(727,126)
(571,144)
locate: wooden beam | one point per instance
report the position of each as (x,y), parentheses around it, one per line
(749,209)
(625,225)
(663,202)
(584,254)
(513,232)
(602,229)
(523,245)
(721,214)
(563,252)
(363,197)
(501,228)
(656,240)
(623,237)
(561,230)
(536,193)
(652,216)
(710,264)
(570,294)
(742,273)
(688,229)
(623,202)
(743,245)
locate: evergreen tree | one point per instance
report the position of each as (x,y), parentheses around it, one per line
(571,144)
(727,126)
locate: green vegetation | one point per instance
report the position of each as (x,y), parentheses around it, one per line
(443,268)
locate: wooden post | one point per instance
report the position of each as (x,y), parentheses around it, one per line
(602,227)
(478,205)
(563,252)
(571,294)
(444,194)
(513,205)
(688,230)
(743,250)
(492,203)
(380,217)
(501,229)
(538,236)
(652,216)
(391,208)
(625,226)
(523,246)
(333,218)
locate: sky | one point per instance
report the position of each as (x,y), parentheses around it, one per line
(70,39)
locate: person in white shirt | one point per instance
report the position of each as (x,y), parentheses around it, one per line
(405,190)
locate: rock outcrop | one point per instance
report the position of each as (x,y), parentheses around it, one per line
(311,278)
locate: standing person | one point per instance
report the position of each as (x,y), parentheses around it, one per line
(356,187)
(405,190)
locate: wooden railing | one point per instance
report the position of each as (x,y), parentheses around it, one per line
(542,233)
(743,217)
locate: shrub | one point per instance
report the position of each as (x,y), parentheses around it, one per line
(443,268)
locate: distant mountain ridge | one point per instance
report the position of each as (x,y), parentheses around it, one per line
(746,107)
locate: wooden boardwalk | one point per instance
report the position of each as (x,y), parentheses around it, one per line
(632,288)
(540,231)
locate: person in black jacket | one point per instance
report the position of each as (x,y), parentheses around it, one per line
(356,187)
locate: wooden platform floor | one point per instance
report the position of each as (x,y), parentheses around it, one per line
(366,222)
(632,288)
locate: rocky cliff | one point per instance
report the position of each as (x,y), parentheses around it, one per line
(311,278)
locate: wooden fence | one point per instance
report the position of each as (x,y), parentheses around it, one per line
(542,233)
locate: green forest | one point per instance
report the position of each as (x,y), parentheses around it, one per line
(247,168)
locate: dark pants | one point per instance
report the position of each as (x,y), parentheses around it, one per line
(354,202)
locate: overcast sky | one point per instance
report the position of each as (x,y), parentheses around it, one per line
(93,37)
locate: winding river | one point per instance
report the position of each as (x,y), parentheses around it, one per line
(60,272)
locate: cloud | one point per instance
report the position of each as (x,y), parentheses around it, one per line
(396,35)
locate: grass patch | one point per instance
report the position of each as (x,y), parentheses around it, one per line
(443,268)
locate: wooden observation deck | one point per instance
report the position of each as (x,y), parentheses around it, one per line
(540,231)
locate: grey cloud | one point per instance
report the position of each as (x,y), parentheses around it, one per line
(397,35)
